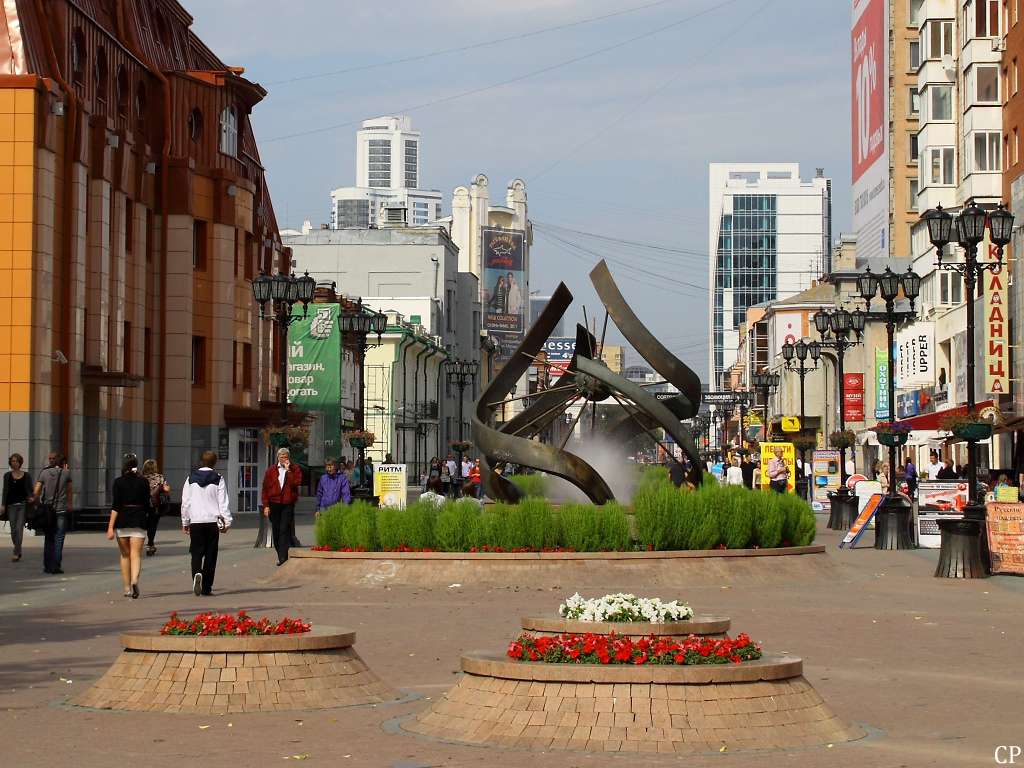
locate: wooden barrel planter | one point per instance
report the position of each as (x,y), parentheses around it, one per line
(318,669)
(762,704)
(702,626)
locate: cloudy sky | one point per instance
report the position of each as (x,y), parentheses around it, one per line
(609,110)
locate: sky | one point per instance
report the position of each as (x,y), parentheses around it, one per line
(609,111)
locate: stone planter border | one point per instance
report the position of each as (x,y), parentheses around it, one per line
(317,639)
(698,625)
(555,556)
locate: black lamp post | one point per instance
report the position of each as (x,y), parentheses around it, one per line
(960,554)
(283,291)
(893,523)
(461,373)
(800,351)
(835,327)
(765,382)
(360,322)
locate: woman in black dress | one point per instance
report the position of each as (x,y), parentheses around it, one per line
(16,498)
(128,514)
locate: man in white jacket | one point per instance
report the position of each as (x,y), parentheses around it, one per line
(204,515)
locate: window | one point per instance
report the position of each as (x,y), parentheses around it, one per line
(77,57)
(249,451)
(941,102)
(234,364)
(1013,76)
(238,255)
(988,84)
(229,131)
(127,348)
(199,245)
(914,13)
(914,102)
(986,18)
(100,75)
(912,187)
(940,39)
(121,91)
(147,353)
(198,361)
(951,288)
(912,148)
(986,151)
(914,54)
(943,166)
(246,366)
(249,258)
(129,225)
(140,109)
(195,124)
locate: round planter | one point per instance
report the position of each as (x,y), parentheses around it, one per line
(977,430)
(763,704)
(893,439)
(250,673)
(705,626)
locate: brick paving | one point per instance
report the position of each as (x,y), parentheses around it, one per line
(929,666)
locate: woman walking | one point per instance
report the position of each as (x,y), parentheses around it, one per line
(159,495)
(474,476)
(332,489)
(128,513)
(279,493)
(16,498)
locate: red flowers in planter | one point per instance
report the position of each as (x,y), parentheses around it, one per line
(612,649)
(228,624)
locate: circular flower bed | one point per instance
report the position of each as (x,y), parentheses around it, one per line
(612,649)
(624,607)
(232,625)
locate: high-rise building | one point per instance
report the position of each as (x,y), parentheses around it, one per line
(387,173)
(769,238)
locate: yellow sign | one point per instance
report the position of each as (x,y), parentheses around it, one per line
(790,424)
(753,418)
(788,456)
(389,481)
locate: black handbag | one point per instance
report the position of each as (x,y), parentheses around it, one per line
(42,517)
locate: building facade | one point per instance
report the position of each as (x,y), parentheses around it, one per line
(138,212)
(769,237)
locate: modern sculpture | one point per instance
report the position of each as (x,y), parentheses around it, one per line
(586,381)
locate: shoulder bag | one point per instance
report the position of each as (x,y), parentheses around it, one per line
(42,518)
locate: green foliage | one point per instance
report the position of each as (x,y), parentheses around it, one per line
(769,518)
(532,486)
(589,528)
(411,527)
(347,525)
(653,474)
(458,526)
(799,526)
(656,509)
(737,531)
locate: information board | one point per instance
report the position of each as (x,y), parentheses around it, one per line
(788,456)
(861,523)
(1006,537)
(825,476)
(389,485)
(941,496)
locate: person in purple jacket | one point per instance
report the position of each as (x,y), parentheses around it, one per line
(333,488)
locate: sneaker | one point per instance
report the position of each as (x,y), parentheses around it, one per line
(197,584)
(135,589)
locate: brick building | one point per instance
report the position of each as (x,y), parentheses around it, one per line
(133,213)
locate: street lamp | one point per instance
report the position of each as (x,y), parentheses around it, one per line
(835,327)
(765,382)
(960,554)
(893,526)
(801,350)
(461,373)
(361,323)
(283,292)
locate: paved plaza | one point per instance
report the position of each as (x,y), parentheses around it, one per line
(928,666)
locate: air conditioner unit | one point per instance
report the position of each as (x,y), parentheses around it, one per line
(998,44)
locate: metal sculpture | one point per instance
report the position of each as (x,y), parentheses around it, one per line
(586,381)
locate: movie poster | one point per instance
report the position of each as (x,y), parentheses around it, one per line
(504,287)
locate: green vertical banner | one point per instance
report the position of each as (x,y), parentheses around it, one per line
(314,369)
(881,384)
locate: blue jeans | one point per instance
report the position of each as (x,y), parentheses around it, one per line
(53,544)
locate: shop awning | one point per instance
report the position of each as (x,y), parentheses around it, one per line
(930,421)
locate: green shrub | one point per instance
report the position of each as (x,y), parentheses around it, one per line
(348,525)
(799,526)
(737,510)
(458,526)
(530,523)
(653,474)
(412,527)
(533,486)
(769,518)
(700,520)
(656,513)
(590,528)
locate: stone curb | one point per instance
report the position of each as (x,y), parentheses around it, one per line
(698,625)
(557,556)
(319,638)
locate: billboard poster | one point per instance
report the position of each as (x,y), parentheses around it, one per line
(314,369)
(788,456)
(1006,537)
(389,485)
(870,121)
(960,368)
(558,352)
(915,355)
(853,396)
(997,381)
(881,384)
(788,329)
(941,496)
(504,287)
(827,477)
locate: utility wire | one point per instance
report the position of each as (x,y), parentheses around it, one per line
(471,46)
(514,79)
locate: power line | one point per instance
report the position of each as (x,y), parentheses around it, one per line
(514,79)
(471,46)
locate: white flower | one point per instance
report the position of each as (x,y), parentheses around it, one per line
(623,607)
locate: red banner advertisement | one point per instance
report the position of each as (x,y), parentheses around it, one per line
(853,396)
(997,367)
(1006,537)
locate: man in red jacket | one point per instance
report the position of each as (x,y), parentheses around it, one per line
(280,492)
